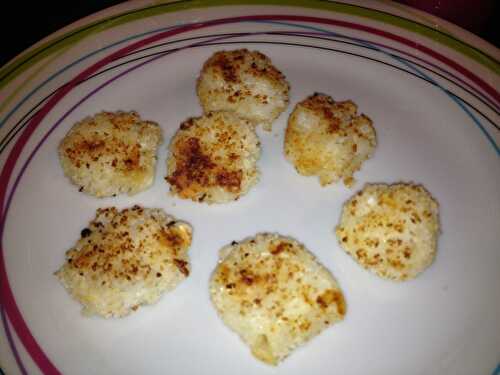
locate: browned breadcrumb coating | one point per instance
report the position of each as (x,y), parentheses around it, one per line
(328,139)
(245,82)
(125,259)
(111,153)
(274,293)
(213,158)
(391,230)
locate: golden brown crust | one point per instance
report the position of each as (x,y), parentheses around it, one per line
(213,158)
(274,294)
(111,153)
(391,229)
(126,258)
(328,139)
(245,82)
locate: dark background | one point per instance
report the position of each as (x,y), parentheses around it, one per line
(37,19)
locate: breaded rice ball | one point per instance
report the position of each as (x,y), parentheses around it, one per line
(125,259)
(328,139)
(391,230)
(245,82)
(213,158)
(274,294)
(111,153)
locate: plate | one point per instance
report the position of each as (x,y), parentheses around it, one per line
(430,89)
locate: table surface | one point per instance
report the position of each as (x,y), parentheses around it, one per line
(51,17)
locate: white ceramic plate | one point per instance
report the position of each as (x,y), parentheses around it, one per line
(431,91)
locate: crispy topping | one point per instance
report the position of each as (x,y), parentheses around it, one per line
(244,82)
(273,292)
(182,266)
(231,180)
(387,230)
(214,159)
(86,232)
(111,153)
(330,296)
(328,139)
(128,249)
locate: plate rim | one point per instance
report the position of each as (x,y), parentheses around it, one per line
(438,29)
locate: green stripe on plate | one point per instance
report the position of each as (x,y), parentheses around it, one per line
(27,80)
(23,62)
